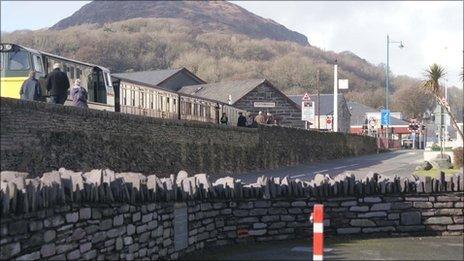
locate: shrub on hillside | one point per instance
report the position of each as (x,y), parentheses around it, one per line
(458,157)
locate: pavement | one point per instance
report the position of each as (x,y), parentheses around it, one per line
(401,163)
(345,248)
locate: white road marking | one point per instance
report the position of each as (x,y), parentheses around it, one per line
(352,165)
(308,249)
(297,176)
(341,167)
(324,170)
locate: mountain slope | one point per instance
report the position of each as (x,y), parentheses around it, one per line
(205,15)
(206,38)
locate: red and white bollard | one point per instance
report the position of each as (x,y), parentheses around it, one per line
(317,217)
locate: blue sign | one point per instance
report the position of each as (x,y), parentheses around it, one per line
(385,117)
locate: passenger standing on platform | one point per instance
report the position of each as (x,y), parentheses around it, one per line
(242,121)
(30,90)
(260,118)
(224,119)
(269,119)
(250,121)
(79,95)
(57,85)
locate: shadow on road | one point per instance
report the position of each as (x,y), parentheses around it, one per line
(402,158)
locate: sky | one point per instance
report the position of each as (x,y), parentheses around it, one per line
(432,31)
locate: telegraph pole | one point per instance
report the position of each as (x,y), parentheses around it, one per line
(318,101)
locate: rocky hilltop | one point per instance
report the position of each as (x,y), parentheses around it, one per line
(205,15)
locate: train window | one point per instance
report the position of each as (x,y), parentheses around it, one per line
(151,100)
(188,107)
(124,96)
(78,73)
(132,98)
(37,60)
(168,107)
(19,61)
(174,105)
(161,102)
(195,109)
(142,99)
(202,108)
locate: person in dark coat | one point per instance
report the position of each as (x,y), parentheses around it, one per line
(79,95)
(57,85)
(242,121)
(30,90)
(224,120)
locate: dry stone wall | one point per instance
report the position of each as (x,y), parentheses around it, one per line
(39,137)
(103,214)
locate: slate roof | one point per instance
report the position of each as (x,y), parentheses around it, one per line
(153,78)
(358,114)
(148,77)
(326,101)
(220,91)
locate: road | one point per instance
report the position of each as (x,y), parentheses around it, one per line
(342,248)
(400,163)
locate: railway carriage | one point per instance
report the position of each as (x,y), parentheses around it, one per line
(17,61)
(107,92)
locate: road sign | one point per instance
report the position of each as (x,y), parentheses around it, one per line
(306,97)
(385,117)
(328,122)
(343,84)
(307,111)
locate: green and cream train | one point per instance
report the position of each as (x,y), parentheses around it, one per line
(17,61)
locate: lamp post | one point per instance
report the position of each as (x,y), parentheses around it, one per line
(387,70)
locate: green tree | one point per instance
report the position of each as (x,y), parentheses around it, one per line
(434,74)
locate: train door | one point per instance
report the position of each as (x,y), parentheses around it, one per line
(117,95)
(96,86)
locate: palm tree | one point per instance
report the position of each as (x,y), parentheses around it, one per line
(433,75)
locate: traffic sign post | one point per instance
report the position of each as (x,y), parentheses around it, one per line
(385,120)
(385,117)
(307,110)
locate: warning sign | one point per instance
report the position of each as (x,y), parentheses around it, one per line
(306,97)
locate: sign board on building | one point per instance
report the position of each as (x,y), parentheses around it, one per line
(385,117)
(264,104)
(343,84)
(307,111)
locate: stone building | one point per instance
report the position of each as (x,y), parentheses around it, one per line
(252,95)
(326,111)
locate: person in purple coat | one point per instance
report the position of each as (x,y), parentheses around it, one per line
(79,95)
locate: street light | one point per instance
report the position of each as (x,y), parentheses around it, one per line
(387,70)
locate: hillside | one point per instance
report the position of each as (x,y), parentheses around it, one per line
(216,54)
(204,15)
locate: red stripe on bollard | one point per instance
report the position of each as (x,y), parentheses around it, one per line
(318,232)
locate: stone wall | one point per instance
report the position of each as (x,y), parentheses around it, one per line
(102,214)
(39,137)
